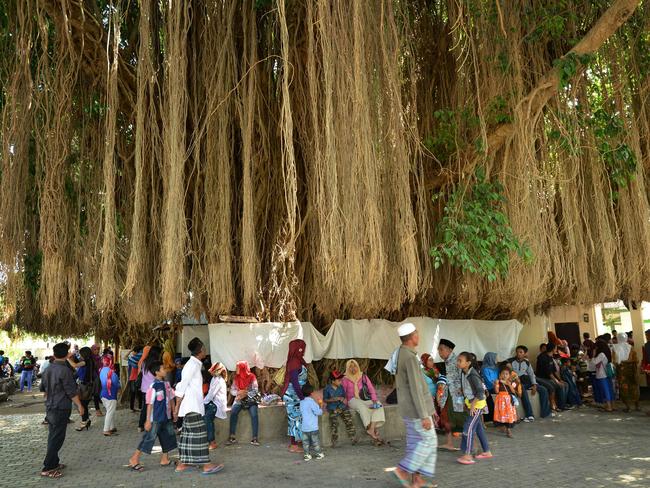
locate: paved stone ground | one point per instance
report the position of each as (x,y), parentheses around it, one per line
(579,448)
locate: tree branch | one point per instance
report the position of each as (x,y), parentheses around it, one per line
(90,39)
(547,87)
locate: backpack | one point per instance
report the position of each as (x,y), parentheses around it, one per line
(609,370)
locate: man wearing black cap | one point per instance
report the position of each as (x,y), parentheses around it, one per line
(60,390)
(452,413)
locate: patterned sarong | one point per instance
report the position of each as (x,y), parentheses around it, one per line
(421,446)
(193,445)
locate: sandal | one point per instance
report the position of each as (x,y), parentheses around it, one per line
(401,481)
(213,470)
(484,456)
(465,461)
(136,467)
(53,473)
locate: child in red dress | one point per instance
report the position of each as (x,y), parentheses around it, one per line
(505,407)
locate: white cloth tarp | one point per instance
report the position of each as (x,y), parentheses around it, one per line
(263,344)
(377,339)
(190,332)
(267,344)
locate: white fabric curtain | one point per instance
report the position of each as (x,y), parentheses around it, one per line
(266,344)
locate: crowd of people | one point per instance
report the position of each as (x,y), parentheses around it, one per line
(178,401)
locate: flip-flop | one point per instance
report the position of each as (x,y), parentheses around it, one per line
(484,456)
(53,474)
(214,470)
(170,463)
(400,480)
(176,470)
(465,461)
(449,449)
(136,467)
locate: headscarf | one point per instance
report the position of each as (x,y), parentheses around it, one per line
(430,372)
(622,348)
(107,362)
(295,361)
(490,360)
(145,353)
(168,361)
(553,338)
(243,377)
(217,368)
(354,378)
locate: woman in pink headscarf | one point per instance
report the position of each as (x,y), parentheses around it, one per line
(110,389)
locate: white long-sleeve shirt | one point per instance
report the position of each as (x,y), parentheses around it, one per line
(600,366)
(190,388)
(217,394)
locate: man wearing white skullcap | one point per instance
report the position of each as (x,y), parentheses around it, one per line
(416,408)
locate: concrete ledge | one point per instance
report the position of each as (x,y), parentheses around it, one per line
(273,426)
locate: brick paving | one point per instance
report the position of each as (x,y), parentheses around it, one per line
(579,448)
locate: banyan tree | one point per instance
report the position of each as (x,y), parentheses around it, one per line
(320,159)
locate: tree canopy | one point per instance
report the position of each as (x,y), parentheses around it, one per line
(320,158)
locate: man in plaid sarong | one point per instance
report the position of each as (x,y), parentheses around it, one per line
(193,445)
(416,408)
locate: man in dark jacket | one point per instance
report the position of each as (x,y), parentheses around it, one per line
(60,390)
(416,408)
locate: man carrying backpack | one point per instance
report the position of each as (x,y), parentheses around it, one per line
(27,363)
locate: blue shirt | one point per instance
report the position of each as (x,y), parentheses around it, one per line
(431,385)
(158,396)
(81,374)
(330,392)
(310,412)
(115,383)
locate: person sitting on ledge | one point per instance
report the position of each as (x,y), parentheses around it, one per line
(522,368)
(361,396)
(246,392)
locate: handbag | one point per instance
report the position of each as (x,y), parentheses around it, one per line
(514,400)
(609,370)
(364,392)
(278,378)
(87,390)
(248,401)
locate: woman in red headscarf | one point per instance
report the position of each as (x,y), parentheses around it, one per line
(294,378)
(247,397)
(110,388)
